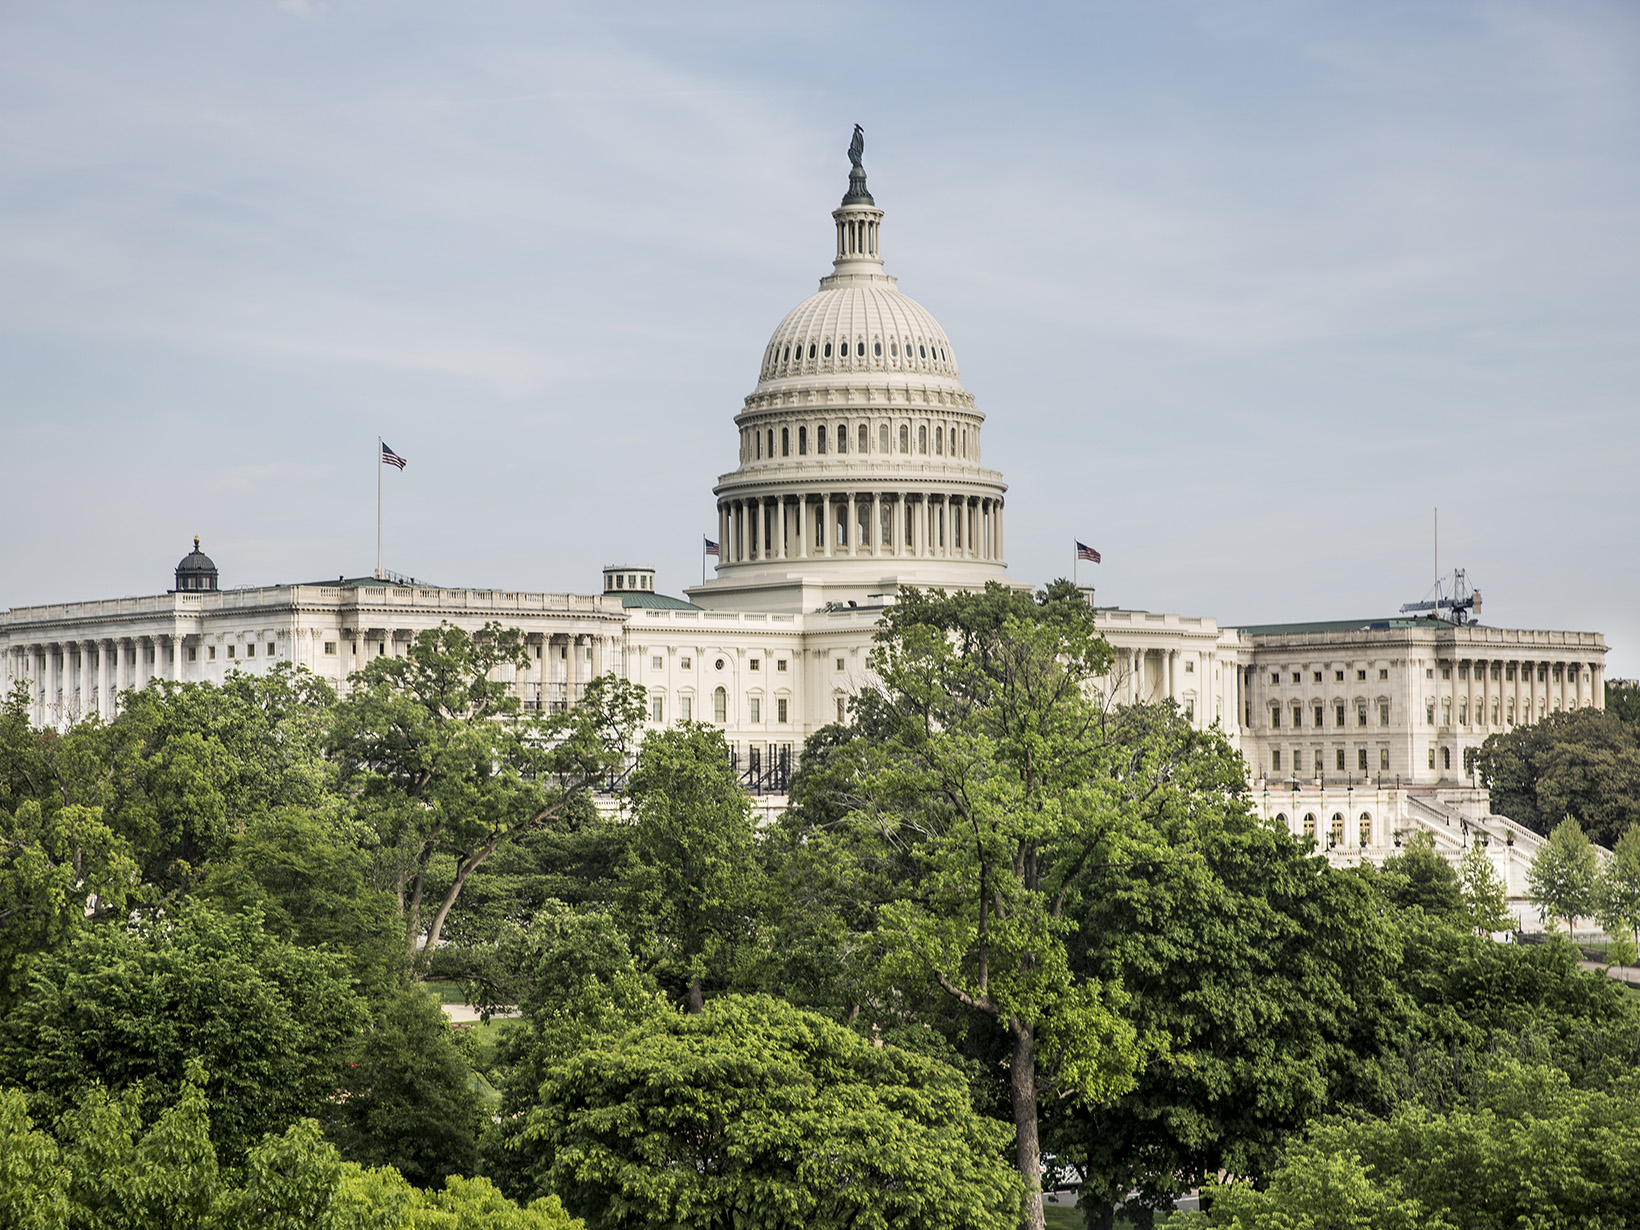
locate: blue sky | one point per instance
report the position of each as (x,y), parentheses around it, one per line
(1245,289)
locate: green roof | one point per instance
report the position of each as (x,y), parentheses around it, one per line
(652,601)
(1381,624)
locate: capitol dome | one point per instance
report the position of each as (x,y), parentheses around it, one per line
(859,467)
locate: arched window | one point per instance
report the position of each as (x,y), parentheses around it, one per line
(905,438)
(802,441)
(820,438)
(1337,836)
(939,440)
(771,442)
(922,352)
(1281,818)
(877,348)
(811,350)
(828,350)
(882,438)
(759,437)
(893,350)
(864,437)
(1446,758)
(842,437)
(785,441)
(1365,832)
(860,349)
(922,439)
(1309,825)
(786,357)
(720,706)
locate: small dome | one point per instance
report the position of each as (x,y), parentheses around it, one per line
(196,571)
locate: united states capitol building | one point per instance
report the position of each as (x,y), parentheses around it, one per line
(859,470)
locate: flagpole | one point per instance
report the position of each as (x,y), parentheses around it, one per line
(378,508)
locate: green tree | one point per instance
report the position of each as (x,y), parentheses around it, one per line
(753,1112)
(1418,876)
(436,750)
(690,882)
(1485,896)
(1623,701)
(993,772)
(1565,874)
(1582,762)
(408,1097)
(120,1006)
(1618,891)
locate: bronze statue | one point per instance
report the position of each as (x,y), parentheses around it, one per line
(857,147)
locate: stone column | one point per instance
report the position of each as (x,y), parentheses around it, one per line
(828,533)
(802,529)
(82,708)
(1000,545)
(853,526)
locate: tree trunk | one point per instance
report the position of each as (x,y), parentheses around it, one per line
(1100,1216)
(1022,1079)
(697,1002)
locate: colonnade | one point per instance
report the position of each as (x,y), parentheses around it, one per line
(1516,692)
(69,680)
(909,524)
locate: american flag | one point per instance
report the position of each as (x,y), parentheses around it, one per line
(390,458)
(711,548)
(1083,551)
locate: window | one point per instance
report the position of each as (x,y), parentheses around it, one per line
(877,349)
(1383,760)
(922,439)
(1429,673)
(1338,714)
(1338,676)
(270,649)
(839,664)
(1360,674)
(785,441)
(1296,676)
(250,650)
(939,440)
(1320,711)
(1361,713)
(1429,714)
(1365,829)
(802,441)
(230,651)
(1309,825)
(1298,716)
(1275,717)
(828,350)
(686,707)
(756,664)
(1463,670)
(780,709)
(1446,758)
(840,716)
(656,662)
(1383,713)
(905,438)
(1317,680)
(1335,835)
(720,706)
(1494,671)
(1432,757)
(842,437)
(1189,710)
(193,653)
(210,652)
(1340,759)
(780,664)
(1446,711)
(819,438)
(1463,713)
(1320,761)
(757,437)
(1189,666)
(863,437)
(1361,759)
(1446,672)
(1275,676)
(657,709)
(754,709)
(719,664)
(684,663)
(860,349)
(882,438)
(1275,760)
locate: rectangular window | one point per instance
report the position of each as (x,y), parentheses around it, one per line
(1383,713)
(1360,674)
(1361,714)
(1446,672)
(1275,760)
(1429,714)
(1463,713)
(780,664)
(1189,710)
(657,709)
(1298,716)
(684,663)
(840,717)
(1338,714)
(1320,762)
(1318,677)
(1383,760)
(270,649)
(230,651)
(1275,717)
(656,662)
(839,664)
(193,654)
(1361,759)
(250,650)
(210,652)
(780,709)
(758,436)
(754,709)
(1320,721)
(1383,673)
(1338,676)
(1432,757)
(1296,676)
(1340,759)
(1429,673)
(686,706)
(1190,666)
(1275,676)
(1463,670)
(757,664)
(785,441)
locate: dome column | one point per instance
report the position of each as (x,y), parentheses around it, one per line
(853,526)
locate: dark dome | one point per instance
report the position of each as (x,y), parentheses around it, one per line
(196,571)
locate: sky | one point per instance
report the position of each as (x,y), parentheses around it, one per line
(1246,290)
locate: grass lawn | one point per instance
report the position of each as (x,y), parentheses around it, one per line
(1062,1217)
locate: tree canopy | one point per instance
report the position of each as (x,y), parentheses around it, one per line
(1580,762)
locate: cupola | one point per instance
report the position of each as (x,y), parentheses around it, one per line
(626,579)
(196,572)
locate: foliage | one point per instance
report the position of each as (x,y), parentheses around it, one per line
(1617,893)
(1565,874)
(438,756)
(120,1006)
(989,766)
(1530,1150)
(1419,877)
(408,1099)
(1623,703)
(1485,895)
(1581,762)
(690,881)
(1254,958)
(753,1112)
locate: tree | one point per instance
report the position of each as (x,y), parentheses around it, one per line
(408,1099)
(436,750)
(1564,875)
(1623,701)
(120,1006)
(1485,896)
(1418,876)
(1253,957)
(1618,890)
(753,1112)
(1581,762)
(691,876)
(992,772)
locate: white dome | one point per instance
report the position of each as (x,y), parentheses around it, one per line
(882,330)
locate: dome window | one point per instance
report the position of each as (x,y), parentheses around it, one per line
(877,347)
(842,437)
(811,350)
(860,349)
(786,358)
(893,350)
(921,352)
(828,350)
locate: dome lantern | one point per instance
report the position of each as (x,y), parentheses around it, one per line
(196,572)
(859,223)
